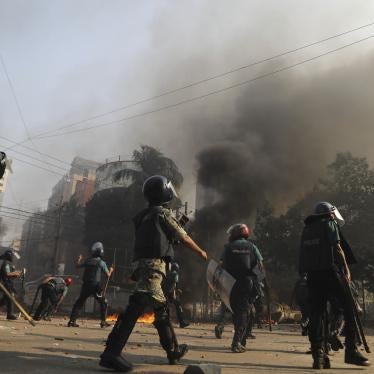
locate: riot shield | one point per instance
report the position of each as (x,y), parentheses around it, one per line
(220,281)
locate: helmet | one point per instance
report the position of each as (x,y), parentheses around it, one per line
(97,249)
(158,190)
(324,207)
(174,266)
(10,254)
(238,231)
(2,164)
(68,281)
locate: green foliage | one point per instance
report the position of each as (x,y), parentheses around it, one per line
(349,185)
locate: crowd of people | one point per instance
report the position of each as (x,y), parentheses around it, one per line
(325,259)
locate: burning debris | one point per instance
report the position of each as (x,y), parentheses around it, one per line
(147,318)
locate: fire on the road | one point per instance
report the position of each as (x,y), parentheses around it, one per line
(145,318)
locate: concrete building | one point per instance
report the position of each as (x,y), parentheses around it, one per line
(79,182)
(106,172)
(4,180)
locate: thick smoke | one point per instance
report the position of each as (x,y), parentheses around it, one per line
(285,132)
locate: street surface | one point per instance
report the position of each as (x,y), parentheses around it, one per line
(50,347)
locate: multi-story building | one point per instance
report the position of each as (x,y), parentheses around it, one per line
(4,180)
(78,183)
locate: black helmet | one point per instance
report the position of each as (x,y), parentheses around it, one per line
(324,207)
(2,164)
(158,190)
(174,266)
(10,254)
(97,249)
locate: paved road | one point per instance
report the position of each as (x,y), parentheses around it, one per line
(50,347)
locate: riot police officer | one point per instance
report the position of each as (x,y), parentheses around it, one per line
(155,232)
(54,290)
(8,273)
(172,293)
(240,259)
(93,267)
(324,257)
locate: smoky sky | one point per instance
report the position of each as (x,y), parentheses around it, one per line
(75,59)
(284,133)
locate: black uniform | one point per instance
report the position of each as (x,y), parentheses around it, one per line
(239,259)
(52,292)
(320,261)
(93,267)
(7,267)
(155,231)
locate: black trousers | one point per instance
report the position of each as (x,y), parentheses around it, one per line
(324,286)
(49,298)
(90,290)
(6,301)
(240,297)
(139,303)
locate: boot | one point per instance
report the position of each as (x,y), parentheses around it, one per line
(218,331)
(117,363)
(354,357)
(184,324)
(11,317)
(335,343)
(320,359)
(237,348)
(72,324)
(175,356)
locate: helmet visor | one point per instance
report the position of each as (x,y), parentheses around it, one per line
(171,186)
(338,216)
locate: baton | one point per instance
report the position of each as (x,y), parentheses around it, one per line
(17,304)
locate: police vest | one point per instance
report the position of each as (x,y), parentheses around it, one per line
(239,258)
(316,252)
(92,270)
(150,239)
(58,284)
(8,282)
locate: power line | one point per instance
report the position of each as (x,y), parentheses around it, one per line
(205,80)
(16,100)
(34,150)
(36,159)
(37,166)
(196,98)
(26,211)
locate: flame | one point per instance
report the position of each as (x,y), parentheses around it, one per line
(145,318)
(112,318)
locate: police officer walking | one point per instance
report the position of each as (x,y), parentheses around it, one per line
(93,267)
(172,293)
(155,232)
(324,257)
(240,258)
(54,290)
(8,273)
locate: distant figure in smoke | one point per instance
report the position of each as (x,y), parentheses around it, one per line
(223,313)
(173,293)
(241,258)
(93,267)
(156,230)
(8,273)
(54,290)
